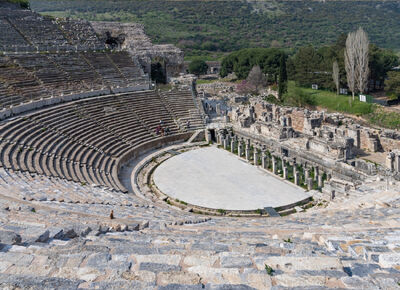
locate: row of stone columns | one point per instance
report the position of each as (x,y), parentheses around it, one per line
(244,149)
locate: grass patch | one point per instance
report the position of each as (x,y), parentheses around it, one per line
(269,270)
(372,113)
(221,211)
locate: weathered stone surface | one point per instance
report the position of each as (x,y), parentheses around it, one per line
(235,261)
(165,278)
(43,238)
(205,260)
(31,282)
(389,260)
(301,263)
(10,238)
(217,275)
(156,267)
(180,287)
(159,259)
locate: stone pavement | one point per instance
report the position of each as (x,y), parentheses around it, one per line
(214,178)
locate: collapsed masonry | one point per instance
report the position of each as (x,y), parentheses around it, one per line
(131,37)
(328,144)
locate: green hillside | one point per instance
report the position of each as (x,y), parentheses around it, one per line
(214,27)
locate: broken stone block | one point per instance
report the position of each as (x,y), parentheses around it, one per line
(44,237)
(10,238)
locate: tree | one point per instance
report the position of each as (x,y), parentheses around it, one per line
(380,62)
(392,85)
(350,62)
(306,65)
(198,67)
(362,56)
(335,75)
(256,78)
(282,88)
(245,88)
(356,60)
(242,61)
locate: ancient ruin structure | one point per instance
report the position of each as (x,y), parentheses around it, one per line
(131,37)
(81,138)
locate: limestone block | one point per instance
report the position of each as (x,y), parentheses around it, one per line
(291,264)
(44,237)
(160,259)
(165,278)
(10,238)
(389,260)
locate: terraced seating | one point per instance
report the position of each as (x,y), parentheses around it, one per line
(123,61)
(29,77)
(55,80)
(103,65)
(183,105)
(41,31)
(80,33)
(18,84)
(9,36)
(83,141)
(79,71)
(150,109)
(63,237)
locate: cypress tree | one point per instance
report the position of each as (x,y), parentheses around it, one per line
(282,86)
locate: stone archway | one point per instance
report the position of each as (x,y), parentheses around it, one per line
(159,70)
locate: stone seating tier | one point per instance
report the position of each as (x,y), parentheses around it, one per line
(59,234)
(25,31)
(34,76)
(83,141)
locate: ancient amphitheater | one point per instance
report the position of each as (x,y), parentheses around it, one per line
(106,183)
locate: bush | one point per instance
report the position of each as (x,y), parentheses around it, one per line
(299,98)
(198,67)
(269,270)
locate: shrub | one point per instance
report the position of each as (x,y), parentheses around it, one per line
(198,67)
(269,270)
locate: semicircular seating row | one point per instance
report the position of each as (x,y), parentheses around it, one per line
(83,141)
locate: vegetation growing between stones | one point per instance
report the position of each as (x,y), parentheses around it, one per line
(269,270)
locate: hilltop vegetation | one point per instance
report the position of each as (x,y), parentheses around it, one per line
(212,28)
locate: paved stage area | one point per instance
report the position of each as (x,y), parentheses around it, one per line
(214,178)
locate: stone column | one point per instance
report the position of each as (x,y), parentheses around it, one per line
(306,173)
(316,172)
(273,164)
(296,177)
(320,181)
(390,161)
(263,157)
(240,149)
(397,161)
(255,157)
(225,142)
(247,152)
(208,135)
(232,145)
(309,183)
(285,173)
(218,109)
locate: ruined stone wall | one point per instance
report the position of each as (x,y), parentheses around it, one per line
(297,117)
(389,144)
(134,39)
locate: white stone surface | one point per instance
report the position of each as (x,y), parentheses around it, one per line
(214,178)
